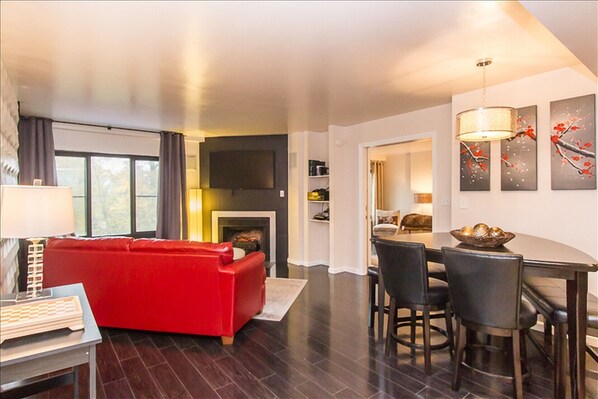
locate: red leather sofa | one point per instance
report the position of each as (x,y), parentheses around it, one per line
(161,285)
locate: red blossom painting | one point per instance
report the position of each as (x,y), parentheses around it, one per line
(475,166)
(518,155)
(573,143)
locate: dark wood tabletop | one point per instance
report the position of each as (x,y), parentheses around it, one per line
(536,251)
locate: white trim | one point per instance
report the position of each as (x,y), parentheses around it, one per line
(310,263)
(362,202)
(338,270)
(248,214)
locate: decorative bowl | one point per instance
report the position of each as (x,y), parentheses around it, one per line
(484,242)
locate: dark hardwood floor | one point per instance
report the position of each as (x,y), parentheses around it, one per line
(321,349)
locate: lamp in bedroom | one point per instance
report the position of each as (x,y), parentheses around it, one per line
(35,213)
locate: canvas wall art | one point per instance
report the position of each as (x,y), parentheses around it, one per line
(518,155)
(573,139)
(475,166)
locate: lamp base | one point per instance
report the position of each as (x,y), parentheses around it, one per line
(32,296)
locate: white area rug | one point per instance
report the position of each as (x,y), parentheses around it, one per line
(280,295)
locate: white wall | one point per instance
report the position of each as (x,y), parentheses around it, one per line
(397,183)
(309,242)
(565,216)
(348,171)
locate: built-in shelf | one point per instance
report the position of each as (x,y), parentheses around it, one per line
(318,177)
(319,221)
(318,201)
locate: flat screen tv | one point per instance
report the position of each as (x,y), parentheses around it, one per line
(242,169)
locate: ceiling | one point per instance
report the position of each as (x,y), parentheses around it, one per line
(237,68)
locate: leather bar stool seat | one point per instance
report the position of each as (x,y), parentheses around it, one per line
(438,293)
(549,297)
(435,270)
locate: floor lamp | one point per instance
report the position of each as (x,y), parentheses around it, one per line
(35,213)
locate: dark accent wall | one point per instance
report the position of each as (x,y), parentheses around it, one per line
(218,199)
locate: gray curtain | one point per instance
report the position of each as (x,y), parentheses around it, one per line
(36,161)
(36,151)
(172,190)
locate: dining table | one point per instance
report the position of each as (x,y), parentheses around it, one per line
(541,257)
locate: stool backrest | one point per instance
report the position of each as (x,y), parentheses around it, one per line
(404,270)
(485,287)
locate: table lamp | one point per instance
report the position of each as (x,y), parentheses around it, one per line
(35,213)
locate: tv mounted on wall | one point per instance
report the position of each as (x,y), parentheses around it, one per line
(242,169)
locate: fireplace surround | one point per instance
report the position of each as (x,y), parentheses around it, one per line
(248,230)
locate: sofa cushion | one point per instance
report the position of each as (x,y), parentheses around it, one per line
(97,244)
(223,250)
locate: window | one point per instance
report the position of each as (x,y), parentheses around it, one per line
(112,194)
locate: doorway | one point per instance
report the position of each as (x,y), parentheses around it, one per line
(399,189)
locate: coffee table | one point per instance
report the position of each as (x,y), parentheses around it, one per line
(35,355)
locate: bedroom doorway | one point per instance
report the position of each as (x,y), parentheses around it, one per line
(398,190)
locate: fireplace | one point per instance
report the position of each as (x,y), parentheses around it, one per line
(250,231)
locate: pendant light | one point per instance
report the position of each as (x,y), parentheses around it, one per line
(486,123)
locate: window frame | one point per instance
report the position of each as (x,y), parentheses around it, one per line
(133,191)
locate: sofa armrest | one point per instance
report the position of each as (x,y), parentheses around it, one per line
(242,291)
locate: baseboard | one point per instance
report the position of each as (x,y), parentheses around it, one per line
(310,263)
(590,341)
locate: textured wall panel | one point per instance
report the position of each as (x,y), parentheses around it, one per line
(9,170)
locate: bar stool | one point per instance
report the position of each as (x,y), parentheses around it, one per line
(549,297)
(485,290)
(405,273)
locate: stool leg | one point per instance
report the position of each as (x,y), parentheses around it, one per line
(449,330)
(517,376)
(461,330)
(413,323)
(427,349)
(560,357)
(372,302)
(390,330)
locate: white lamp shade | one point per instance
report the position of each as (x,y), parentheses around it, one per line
(486,124)
(36,211)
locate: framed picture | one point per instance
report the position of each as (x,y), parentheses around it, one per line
(518,155)
(573,139)
(475,166)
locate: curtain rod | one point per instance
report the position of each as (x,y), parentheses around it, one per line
(109,127)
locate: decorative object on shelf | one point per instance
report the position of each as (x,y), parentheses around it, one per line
(40,316)
(324,215)
(481,235)
(518,154)
(35,213)
(321,170)
(573,137)
(486,123)
(321,194)
(313,167)
(474,161)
